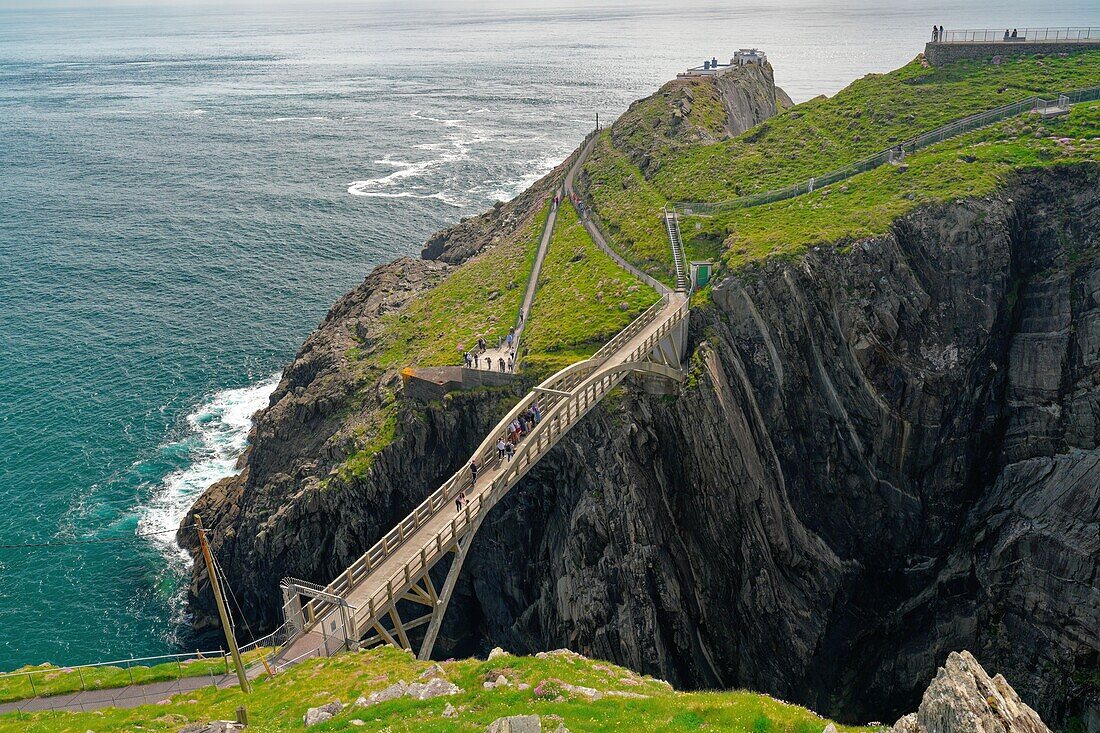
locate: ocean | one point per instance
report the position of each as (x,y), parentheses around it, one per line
(185,189)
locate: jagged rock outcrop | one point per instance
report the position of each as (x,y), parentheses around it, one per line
(964,699)
(693,111)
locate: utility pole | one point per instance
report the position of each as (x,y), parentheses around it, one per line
(230,638)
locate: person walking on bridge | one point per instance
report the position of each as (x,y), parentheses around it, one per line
(460,499)
(473,473)
(500,449)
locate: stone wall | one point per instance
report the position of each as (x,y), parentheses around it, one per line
(432,383)
(938,54)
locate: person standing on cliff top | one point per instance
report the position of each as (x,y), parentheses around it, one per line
(935,34)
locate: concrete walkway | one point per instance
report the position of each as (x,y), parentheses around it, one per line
(594,231)
(119,697)
(494,353)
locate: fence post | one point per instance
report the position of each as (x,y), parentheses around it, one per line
(130,669)
(81,675)
(34,692)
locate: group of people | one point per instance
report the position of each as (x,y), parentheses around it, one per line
(1013,36)
(937,33)
(506,445)
(580,206)
(472,359)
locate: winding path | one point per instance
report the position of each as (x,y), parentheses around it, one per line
(594,231)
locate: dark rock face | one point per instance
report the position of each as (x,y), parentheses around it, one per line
(885,451)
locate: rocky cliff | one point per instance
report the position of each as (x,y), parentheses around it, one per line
(886,450)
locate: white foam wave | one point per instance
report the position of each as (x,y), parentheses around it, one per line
(440,195)
(218,434)
(446,122)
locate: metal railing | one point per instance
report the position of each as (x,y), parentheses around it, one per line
(130,664)
(895,153)
(1023,35)
(551,395)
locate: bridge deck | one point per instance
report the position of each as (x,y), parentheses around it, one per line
(425,544)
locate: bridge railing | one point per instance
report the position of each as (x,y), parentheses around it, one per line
(1023,35)
(898,151)
(556,421)
(486,454)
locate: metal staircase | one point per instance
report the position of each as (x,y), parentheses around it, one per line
(672,224)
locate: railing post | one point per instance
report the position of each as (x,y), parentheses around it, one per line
(81,675)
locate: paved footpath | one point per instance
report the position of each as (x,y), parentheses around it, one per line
(495,354)
(594,231)
(118,697)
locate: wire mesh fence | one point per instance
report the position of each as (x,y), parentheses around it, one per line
(895,153)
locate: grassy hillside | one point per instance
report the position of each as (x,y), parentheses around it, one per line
(828,133)
(480,298)
(583,299)
(544,686)
(976,164)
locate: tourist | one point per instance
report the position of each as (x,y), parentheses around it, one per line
(500,449)
(481,344)
(935,34)
(941,34)
(1014,33)
(502,364)
(473,473)
(488,363)
(1006,34)
(459,499)
(509,450)
(511,363)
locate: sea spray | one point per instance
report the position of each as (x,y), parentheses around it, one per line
(217,435)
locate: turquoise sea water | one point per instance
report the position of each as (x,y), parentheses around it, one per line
(184,190)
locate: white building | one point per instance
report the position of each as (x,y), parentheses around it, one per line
(747,56)
(743,57)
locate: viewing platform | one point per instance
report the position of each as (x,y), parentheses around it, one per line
(957,45)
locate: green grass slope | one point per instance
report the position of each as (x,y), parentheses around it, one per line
(545,686)
(583,299)
(480,298)
(976,164)
(867,116)
(828,133)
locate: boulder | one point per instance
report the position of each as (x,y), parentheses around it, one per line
(214,726)
(433,671)
(435,687)
(449,711)
(320,714)
(496,653)
(964,699)
(392,692)
(516,724)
